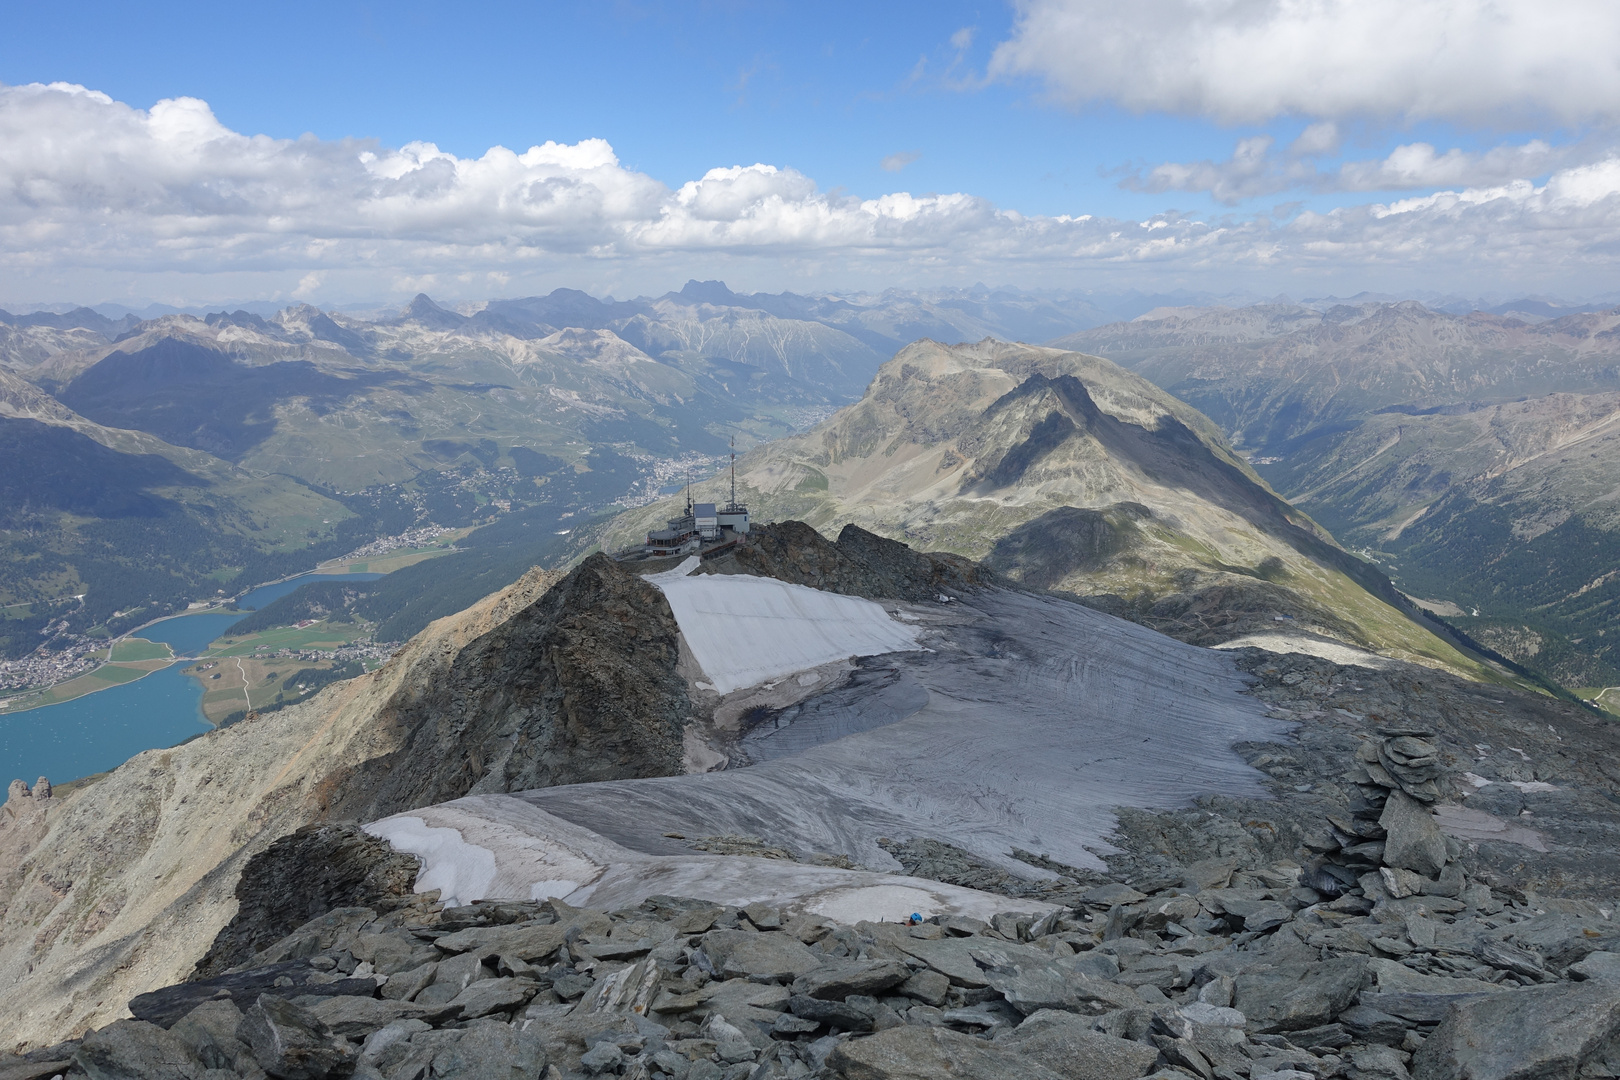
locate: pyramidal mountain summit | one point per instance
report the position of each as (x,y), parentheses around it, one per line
(1024,733)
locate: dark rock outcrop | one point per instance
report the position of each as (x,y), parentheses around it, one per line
(859,564)
(303,875)
(579,686)
(168,1004)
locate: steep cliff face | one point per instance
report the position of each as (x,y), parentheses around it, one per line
(579,686)
(121,884)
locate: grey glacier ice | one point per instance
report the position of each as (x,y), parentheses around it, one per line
(1027,720)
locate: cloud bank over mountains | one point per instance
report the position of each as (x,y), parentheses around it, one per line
(1236,61)
(1257,168)
(98,198)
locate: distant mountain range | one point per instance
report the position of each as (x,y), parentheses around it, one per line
(1474,455)
(234,444)
(164,459)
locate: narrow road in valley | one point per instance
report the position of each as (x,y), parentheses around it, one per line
(245,695)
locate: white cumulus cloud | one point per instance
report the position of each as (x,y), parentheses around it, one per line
(1473,61)
(101,200)
(1255,170)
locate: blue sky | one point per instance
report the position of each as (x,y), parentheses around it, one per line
(831,89)
(985,99)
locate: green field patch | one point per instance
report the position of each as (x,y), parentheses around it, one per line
(318,636)
(140,649)
(115,674)
(103,677)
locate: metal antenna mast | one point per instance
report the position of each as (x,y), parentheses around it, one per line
(733,471)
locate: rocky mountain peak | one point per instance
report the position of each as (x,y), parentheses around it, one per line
(423,310)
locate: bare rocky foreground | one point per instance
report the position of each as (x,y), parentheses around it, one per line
(1336,871)
(1419,896)
(1225,973)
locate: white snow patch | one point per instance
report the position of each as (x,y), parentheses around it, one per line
(462,872)
(1310,646)
(874,903)
(743,630)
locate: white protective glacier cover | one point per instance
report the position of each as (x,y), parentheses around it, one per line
(746,630)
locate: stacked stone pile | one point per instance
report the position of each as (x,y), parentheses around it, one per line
(1227,974)
(1389,831)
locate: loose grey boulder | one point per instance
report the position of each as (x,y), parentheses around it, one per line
(1370,1025)
(492,1051)
(1531,1034)
(856,977)
(289,1042)
(210,1031)
(740,954)
(1065,1044)
(494,995)
(136,1050)
(930,1053)
(1113,893)
(1413,840)
(394,1034)
(291,978)
(1378,1063)
(1295,995)
(1259,915)
(1419,998)
(847,1015)
(928,987)
(1598,965)
(356,1018)
(16,1068)
(1560,939)
(405,985)
(601,1058)
(1500,954)
(528,943)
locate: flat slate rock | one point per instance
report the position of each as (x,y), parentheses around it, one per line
(929,1053)
(167,1005)
(1419,1008)
(357,1017)
(1598,965)
(741,954)
(527,943)
(1065,1043)
(1297,995)
(136,1050)
(852,977)
(1541,1031)
(493,995)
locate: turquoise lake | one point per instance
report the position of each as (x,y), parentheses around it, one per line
(102,730)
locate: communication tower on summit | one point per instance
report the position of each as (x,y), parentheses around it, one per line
(734,516)
(703,525)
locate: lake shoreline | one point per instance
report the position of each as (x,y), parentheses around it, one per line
(93,732)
